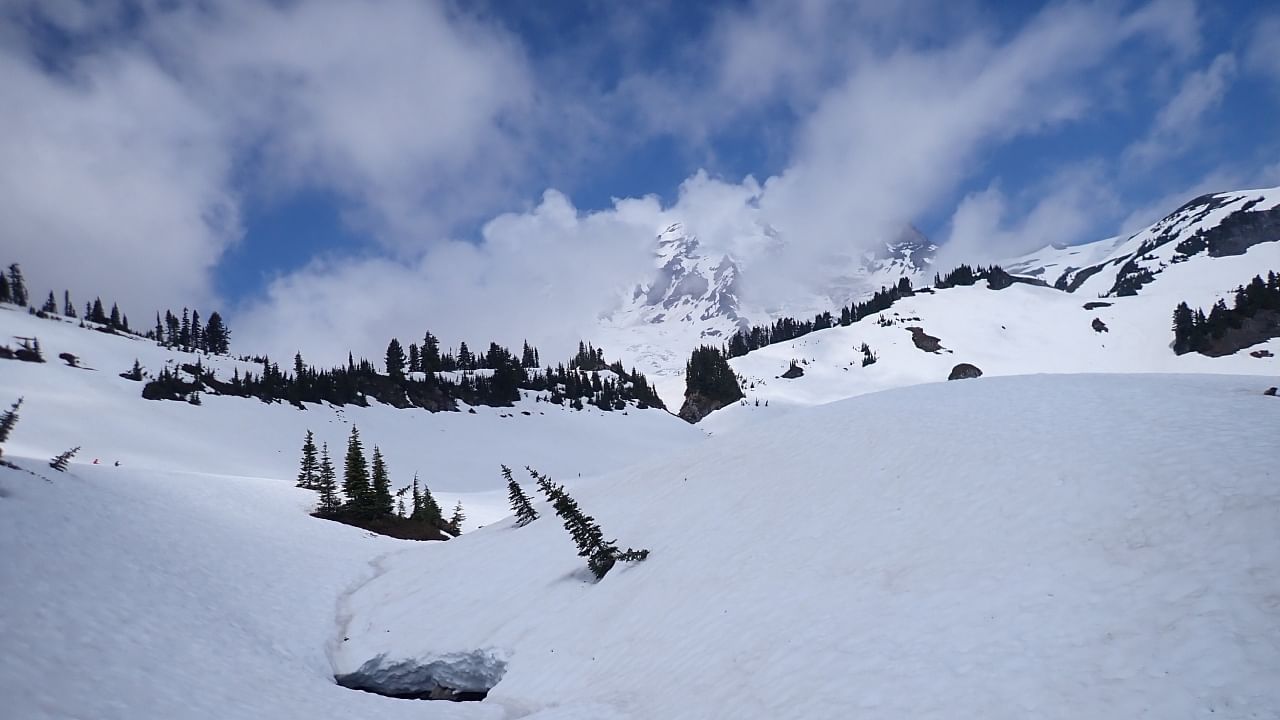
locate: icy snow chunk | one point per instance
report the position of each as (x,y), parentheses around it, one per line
(453,676)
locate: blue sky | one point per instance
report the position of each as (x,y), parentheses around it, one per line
(265,156)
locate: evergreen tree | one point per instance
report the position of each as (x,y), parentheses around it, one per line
(309,472)
(355,476)
(395,359)
(426,507)
(5,295)
(520,504)
(431,360)
(455,522)
(17,286)
(466,361)
(7,421)
(67,308)
(381,502)
(601,554)
(134,373)
(114,320)
(59,463)
(197,342)
(50,305)
(184,331)
(216,335)
(327,484)
(97,314)
(415,362)
(1183,328)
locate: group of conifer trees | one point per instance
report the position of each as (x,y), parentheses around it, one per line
(708,374)
(364,492)
(1194,331)
(601,554)
(787,328)
(353,383)
(186,332)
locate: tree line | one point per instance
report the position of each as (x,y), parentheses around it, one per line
(494,378)
(186,333)
(1196,331)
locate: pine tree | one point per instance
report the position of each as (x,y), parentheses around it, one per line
(520,504)
(68,309)
(59,463)
(7,421)
(50,305)
(601,554)
(309,472)
(430,511)
(184,331)
(355,476)
(381,502)
(197,342)
(1183,327)
(216,335)
(17,286)
(327,484)
(455,522)
(5,295)
(114,319)
(97,314)
(395,359)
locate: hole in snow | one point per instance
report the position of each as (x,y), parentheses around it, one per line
(455,676)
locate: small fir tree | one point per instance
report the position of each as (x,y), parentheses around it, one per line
(68,308)
(59,463)
(395,359)
(17,286)
(601,554)
(355,475)
(520,504)
(381,502)
(50,305)
(7,422)
(309,472)
(455,522)
(327,484)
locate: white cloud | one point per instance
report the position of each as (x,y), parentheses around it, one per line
(98,197)
(1178,121)
(1263,53)
(122,170)
(1059,211)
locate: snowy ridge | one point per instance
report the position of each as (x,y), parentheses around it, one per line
(1144,256)
(695,299)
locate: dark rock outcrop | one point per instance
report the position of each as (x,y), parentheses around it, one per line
(793,372)
(1099,326)
(925,341)
(964,371)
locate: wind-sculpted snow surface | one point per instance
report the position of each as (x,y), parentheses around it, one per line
(1039,546)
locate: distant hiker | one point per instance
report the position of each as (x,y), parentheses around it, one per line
(95,461)
(117,463)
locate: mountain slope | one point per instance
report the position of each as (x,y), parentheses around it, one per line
(1063,547)
(1034,329)
(456,453)
(697,299)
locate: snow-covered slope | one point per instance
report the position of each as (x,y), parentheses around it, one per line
(696,299)
(1031,329)
(1208,227)
(1050,546)
(456,454)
